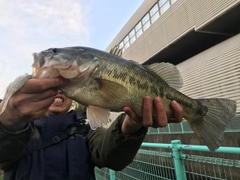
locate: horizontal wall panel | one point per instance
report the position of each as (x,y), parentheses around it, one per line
(206,10)
(181,18)
(214,73)
(169,27)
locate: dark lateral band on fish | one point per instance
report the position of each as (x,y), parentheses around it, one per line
(105,82)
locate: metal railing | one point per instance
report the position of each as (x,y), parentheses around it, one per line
(176,165)
(184,127)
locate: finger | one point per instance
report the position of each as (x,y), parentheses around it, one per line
(42,107)
(178,111)
(35,110)
(161,116)
(20,99)
(129,112)
(39,85)
(44,95)
(147,107)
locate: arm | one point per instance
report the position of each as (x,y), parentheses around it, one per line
(13,145)
(30,102)
(111,148)
(116,146)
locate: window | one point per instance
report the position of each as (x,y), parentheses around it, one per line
(145,19)
(164,5)
(125,39)
(154,10)
(146,26)
(126,42)
(126,45)
(155,17)
(132,36)
(146,22)
(121,45)
(138,29)
(162,2)
(154,13)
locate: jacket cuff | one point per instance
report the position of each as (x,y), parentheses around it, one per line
(26,128)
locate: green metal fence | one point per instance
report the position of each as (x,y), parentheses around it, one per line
(184,127)
(175,165)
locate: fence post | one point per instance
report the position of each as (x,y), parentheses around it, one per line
(178,161)
(112,174)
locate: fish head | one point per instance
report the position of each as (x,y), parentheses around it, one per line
(69,63)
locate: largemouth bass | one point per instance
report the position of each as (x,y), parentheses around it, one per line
(105,82)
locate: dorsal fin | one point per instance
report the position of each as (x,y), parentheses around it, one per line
(116,51)
(168,72)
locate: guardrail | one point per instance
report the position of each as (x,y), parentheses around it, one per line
(175,165)
(184,127)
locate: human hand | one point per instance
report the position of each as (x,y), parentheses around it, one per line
(30,102)
(133,122)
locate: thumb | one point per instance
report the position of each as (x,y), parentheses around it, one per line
(130,112)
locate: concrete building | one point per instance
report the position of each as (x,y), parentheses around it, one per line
(201,37)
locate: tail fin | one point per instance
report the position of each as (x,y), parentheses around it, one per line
(211,128)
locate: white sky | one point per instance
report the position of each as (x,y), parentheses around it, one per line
(28,26)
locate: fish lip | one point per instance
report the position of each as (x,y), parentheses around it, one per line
(69,67)
(42,58)
(35,55)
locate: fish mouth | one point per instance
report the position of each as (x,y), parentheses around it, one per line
(46,66)
(42,59)
(69,67)
(60,62)
(41,63)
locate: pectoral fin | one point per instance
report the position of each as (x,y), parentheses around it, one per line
(111,90)
(97,115)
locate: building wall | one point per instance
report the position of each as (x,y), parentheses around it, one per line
(210,74)
(182,17)
(214,73)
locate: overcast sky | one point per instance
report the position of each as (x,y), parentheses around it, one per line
(28,26)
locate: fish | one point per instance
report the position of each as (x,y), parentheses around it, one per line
(105,83)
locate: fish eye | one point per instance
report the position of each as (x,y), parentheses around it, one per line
(54,50)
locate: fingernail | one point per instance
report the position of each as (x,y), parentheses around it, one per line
(175,102)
